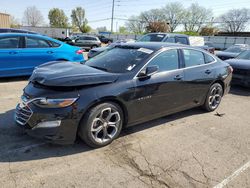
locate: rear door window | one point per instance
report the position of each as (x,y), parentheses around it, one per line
(193,57)
(181,40)
(37,43)
(9,42)
(170,40)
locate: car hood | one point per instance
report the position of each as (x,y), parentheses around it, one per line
(227,54)
(239,63)
(100,49)
(61,73)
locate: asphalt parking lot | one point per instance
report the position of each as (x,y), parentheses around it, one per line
(188,149)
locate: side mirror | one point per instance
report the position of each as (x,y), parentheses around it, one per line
(149,71)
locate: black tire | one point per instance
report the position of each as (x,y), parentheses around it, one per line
(94,120)
(213,98)
(94,46)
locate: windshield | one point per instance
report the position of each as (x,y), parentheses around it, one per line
(235,49)
(152,38)
(244,55)
(119,59)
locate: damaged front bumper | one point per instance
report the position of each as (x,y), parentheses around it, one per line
(53,125)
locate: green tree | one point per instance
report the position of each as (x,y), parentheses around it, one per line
(123,30)
(79,20)
(57,18)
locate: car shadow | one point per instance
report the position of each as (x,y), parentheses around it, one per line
(239,90)
(27,148)
(14,79)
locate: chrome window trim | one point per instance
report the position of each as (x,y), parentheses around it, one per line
(177,48)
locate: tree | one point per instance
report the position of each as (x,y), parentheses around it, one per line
(174,13)
(195,17)
(122,29)
(235,20)
(79,20)
(32,16)
(102,29)
(57,18)
(208,31)
(157,26)
(14,23)
(136,25)
(155,20)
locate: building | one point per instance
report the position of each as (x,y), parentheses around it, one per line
(4,20)
(59,33)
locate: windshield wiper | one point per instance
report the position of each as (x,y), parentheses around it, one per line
(100,68)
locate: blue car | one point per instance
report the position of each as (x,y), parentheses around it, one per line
(20,53)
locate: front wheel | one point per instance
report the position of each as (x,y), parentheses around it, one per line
(214,97)
(101,125)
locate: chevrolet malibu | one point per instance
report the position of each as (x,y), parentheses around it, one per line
(127,85)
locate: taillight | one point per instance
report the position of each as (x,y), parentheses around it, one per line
(80,51)
(230,69)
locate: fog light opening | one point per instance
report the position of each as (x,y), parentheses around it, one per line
(48,124)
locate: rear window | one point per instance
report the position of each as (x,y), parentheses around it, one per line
(152,38)
(36,43)
(9,42)
(181,40)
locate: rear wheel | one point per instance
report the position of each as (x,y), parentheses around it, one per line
(214,97)
(94,46)
(101,125)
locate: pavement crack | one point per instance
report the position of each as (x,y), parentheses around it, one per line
(11,173)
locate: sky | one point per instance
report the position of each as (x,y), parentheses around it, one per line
(98,12)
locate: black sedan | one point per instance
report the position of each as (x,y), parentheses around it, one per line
(124,86)
(241,66)
(232,52)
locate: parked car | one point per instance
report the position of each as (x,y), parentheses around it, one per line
(129,84)
(86,42)
(104,39)
(176,38)
(11,30)
(241,66)
(95,51)
(232,52)
(20,53)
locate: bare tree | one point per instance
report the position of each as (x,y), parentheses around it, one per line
(174,14)
(32,16)
(135,25)
(155,20)
(235,20)
(195,17)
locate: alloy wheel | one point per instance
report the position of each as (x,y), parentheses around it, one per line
(105,126)
(215,96)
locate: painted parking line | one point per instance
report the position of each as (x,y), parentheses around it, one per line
(22,149)
(234,175)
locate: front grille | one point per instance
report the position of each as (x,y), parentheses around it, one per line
(242,72)
(23,114)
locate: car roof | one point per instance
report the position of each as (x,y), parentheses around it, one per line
(29,35)
(154,45)
(169,34)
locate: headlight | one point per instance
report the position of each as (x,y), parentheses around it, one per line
(54,103)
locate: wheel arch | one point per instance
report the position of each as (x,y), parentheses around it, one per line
(221,83)
(112,100)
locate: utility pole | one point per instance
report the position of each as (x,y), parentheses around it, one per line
(112,18)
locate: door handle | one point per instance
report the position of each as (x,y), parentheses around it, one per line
(13,52)
(50,52)
(178,77)
(208,71)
